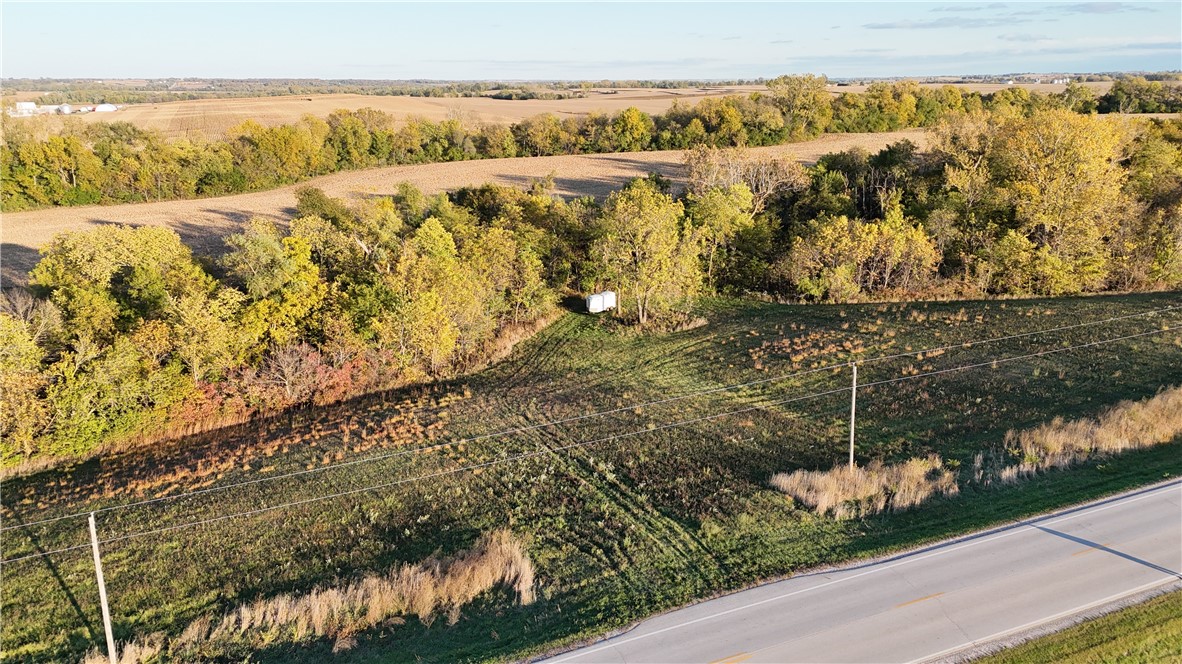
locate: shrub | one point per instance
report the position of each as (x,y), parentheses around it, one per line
(847,492)
(343,611)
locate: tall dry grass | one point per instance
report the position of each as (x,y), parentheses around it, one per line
(425,590)
(1125,426)
(848,492)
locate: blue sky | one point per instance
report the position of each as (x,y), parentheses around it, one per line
(583,40)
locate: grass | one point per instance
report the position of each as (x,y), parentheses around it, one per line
(1127,425)
(850,491)
(340,612)
(616,529)
(1147,632)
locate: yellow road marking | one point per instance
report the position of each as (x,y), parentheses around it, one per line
(916,601)
(734,659)
(1091,549)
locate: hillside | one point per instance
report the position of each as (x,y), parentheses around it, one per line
(661,500)
(202,223)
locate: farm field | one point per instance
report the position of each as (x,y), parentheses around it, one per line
(211,118)
(202,223)
(658,502)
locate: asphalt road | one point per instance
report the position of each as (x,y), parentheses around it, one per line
(932,603)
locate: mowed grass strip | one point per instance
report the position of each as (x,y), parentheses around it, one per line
(650,518)
(1145,633)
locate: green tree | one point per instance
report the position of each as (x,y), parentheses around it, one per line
(22,412)
(720,214)
(647,254)
(112,277)
(805,103)
(1063,176)
(281,280)
(204,332)
(633,130)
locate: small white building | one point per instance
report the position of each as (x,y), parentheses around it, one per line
(105,108)
(23,109)
(65,109)
(601,302)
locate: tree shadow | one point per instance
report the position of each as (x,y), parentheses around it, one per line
(16,260)
(58,579)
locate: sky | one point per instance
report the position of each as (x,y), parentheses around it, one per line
(582,41)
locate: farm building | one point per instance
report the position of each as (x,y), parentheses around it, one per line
(23,109)
(105,108)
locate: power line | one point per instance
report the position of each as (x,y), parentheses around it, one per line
(705,418)
(576,418)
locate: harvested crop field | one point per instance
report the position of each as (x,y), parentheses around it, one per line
(212,117)
(202,223)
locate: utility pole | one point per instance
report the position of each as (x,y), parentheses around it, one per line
(853,410)
(98,570)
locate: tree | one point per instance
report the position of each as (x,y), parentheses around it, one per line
(281,280)
(647,254)
(117,392)
(112,277)
(720,214)
(204,331)
(295,370)
(539,135)
(1062,174)
(22,412)
(805,102)
(839,258)
(1079,98)
(633,130)
(711,168)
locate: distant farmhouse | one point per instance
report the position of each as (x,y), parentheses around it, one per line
(24,109)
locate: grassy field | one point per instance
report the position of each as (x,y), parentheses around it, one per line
(623,515)
(202,223)
(1141,634)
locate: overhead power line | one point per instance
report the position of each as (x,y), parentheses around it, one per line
(586,416)
(550,450)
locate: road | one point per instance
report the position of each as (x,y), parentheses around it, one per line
(932,603)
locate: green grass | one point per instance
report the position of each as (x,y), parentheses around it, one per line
(1147,632)
(618,529)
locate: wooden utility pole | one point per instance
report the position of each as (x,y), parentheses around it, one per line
(853,410)
(98,571)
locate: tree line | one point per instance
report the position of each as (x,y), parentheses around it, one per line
(119,163)
(125,334)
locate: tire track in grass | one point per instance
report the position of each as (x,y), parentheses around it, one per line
(668,537)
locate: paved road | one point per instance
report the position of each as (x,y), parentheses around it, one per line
(930,603)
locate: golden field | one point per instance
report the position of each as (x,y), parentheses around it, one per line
(202,223)
(211,118)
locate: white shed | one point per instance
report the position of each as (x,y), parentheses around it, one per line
(601,302)
(24,109)
(105,108)
(65,109)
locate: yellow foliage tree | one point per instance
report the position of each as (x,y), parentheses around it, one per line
(1063,176)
